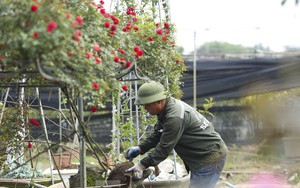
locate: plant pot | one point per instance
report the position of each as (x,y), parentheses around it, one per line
(62,160)
(73,151)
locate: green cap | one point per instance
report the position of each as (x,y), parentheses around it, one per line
(150,92)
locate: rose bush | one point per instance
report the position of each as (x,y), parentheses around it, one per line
(85,48)
(79,43)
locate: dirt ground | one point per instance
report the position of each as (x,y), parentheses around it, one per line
(264,167)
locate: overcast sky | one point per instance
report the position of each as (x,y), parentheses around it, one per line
(246,22)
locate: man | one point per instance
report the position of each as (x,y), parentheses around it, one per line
(179,127)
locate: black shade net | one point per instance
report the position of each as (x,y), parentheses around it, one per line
(229,79)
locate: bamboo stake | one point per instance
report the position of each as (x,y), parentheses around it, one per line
(50,153)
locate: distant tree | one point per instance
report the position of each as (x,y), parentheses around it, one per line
(217,47)
(221,47)
(292,49)
(260,47)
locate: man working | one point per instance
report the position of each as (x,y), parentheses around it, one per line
(179,127)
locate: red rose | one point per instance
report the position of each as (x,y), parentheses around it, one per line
(102,11)
(68,15)
(37,124)
(150,39)
(34,122)
(112,17)
(136,48)
(125,88)
(79,20)
(113,28)
(122,51)
(31,120)
(35,34)
(106,24)
(167,26)
(139,53)
(34,8)
(29,145)
(159,31)
(87,55)
(93,109)
(136,28)
(116,59)
(164,38)
(127,64)
(128,26)
(95,85)
(98,61)
(116,20)
(97,47)
(51,26)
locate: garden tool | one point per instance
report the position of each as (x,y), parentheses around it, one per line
(118,176)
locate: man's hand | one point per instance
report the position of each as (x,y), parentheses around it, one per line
(137,171)
(132,152)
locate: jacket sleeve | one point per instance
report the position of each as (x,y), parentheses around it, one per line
(152,140)
(172,132)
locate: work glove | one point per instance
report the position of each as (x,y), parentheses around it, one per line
(137,171)
(132,152)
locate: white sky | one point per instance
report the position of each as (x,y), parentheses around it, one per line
(245,22)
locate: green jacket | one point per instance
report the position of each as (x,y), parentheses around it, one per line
(181,127)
